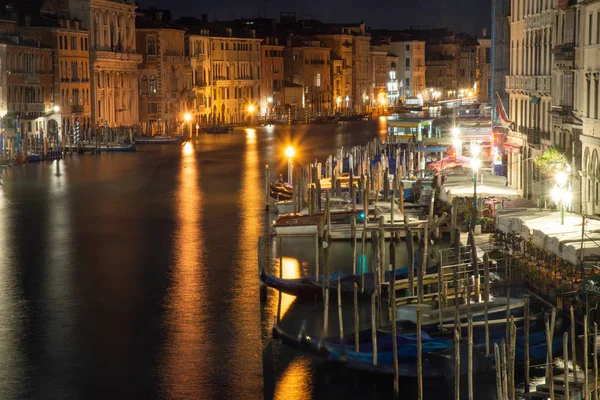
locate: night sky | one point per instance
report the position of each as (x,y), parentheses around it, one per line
(459,15)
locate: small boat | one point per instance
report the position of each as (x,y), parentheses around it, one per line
(218,129)
(111,148)
(300,224)
(281,191)
(335,202)
(313,286)
(34,157)
(430,317)
(436,353)
(157,140)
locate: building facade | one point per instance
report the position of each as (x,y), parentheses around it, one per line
(197,51)
(113,59)
(484,70)
(164,90)
(71,92)
(307,63)
(272,99)
(341,45)
(26,85)
(529,86)
(236,78)
(411,69)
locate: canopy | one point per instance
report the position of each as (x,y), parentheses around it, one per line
(449,162)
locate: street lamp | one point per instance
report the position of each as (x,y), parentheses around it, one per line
(290,152)
(251,110)
(338,101)
(475,165)
(561,195)
(56,109)
(187,118)
(456,142)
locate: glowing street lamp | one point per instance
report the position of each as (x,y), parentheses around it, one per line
(456,142)
(56,109)
(561,195)
(475,165)
(290,153)
(187,117)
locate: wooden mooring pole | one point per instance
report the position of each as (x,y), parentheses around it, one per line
(549,372)
(374,326)
(566,364)
(419,355)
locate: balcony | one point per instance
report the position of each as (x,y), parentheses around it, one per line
(112,56)
(536,84)
(150,58)
(76,109)
(533,136)
(564,52)
(27,107)
(317,62)
(545,135)
(173,59)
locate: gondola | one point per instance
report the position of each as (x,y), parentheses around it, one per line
(435,353)
(311,286)
(281,191)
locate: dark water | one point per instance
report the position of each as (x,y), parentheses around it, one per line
(135,276)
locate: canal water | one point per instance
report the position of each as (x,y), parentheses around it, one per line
(135,276)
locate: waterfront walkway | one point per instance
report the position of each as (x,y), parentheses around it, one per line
(543,228)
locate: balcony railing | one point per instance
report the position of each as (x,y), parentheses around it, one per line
(564,52)
(76,109)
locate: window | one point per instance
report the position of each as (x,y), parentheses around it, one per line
(151,45)
(152,84)
(440,72)
(318,79)
(590,29)
(295,56)
(407,62)
(408,47)
(152,108)
(407,82)
(488,55)
(598,27)
(144,85)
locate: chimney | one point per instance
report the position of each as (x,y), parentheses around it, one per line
(158,15)
(484,31)
(67,24)
(76,24)
(61,23)
(229,32)
(27,21)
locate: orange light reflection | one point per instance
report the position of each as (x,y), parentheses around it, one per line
(294,381)
(186,315)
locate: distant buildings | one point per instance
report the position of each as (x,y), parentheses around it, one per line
(112,65)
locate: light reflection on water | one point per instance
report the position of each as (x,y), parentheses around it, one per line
(186,318)
(293,384)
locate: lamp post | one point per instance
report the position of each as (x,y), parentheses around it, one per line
(456,142)
(561,195)
(251,109)
(290,152)
(270,107)
(475,164)
(188,118)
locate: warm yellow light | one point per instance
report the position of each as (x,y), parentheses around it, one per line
(556,194)
(475,150)
(251,108)
(455,132)
(187,117)
(269,99)
(475,163)
(561,178)
(338,100)
(290,152)
(188,149)
(470,93)
(56,109)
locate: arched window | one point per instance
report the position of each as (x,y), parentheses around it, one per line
(152,84)
(151,45)
(144,85)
